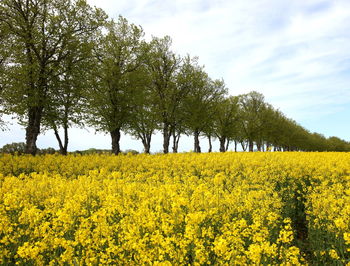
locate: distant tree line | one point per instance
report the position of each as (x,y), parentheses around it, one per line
(64,63)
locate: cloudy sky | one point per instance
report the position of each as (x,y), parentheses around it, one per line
(295,52)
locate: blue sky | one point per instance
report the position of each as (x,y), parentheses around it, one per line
(295,52)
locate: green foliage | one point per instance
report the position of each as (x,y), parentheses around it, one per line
(19,149)
(202,98)
(252,115)
(47,151)
(163,65)
(227,117)
(130,151)
(92,151)
(13,148)
(43,35)
(118,55)
(143,119)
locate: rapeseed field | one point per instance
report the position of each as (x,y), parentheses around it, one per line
(175,209)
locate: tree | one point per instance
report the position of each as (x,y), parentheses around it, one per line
(227,115)
(279,130)
(202,97)
(119,54)
(267,118)
(68,103)
(143,119)
(253,110)
(163,65)
(13,148)
(40,32)
(237,135)
(337,144)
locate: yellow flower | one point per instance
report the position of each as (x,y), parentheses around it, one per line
(333,254)
(219,208)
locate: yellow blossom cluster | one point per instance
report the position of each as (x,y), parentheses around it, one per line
(175,209)
(328,212)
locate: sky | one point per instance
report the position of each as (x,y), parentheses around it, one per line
(295,52)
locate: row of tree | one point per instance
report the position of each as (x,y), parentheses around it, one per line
(64,63)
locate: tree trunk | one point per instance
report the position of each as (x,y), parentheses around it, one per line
(115,135)
(176,139)
(210,145)
(235,141)
(258,145)
(174,142)
(34,113)
(147,148)
(166,138)
(146,140)
(177,142)
(244,145)
(65,139)
(227,144)
(57,135)
(146,144)
(251,145)
(63,146)
(268,145)
(197,148)
(33,129)
(222,141)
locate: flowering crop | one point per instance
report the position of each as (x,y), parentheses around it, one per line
(231,208)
